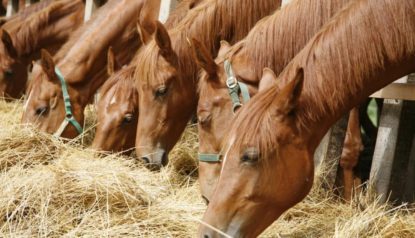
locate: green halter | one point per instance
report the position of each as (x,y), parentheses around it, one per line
(234,87)
(69,118)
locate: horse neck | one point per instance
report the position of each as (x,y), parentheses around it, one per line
(342,71)
(124,50)
(84,62)
(93,39)
(48,28)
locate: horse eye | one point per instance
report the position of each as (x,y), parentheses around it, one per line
(250,155)
(161,91)
(128,118)
(8,73)
(204,121)
(41,111)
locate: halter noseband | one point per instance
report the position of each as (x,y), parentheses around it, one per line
(69,118)
(234,87)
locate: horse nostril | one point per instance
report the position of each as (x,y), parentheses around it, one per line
(146,160)
(164,159)
(206,236)
(205,199)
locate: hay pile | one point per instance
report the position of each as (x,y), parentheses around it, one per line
(51,189)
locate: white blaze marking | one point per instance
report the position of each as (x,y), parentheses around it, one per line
(232,140)
(113,100)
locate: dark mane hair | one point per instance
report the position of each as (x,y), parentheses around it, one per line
(354,46)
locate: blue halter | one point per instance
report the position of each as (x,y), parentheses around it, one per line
(69,118)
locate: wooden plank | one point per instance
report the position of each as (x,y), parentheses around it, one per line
(166,6)
(91,6)
(318,154)
(410,177)
(332,149)
(12,7)
(397,91)
(384,154)
(30,2)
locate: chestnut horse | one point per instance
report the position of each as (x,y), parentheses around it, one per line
(117,114)
(62,86)
(268,165)
(283,35)
(167,74)
(23,37)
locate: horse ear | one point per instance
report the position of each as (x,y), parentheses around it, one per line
(46,61)
(163,41)
(203,57)
(268,80)
(288,97)
(112,64)
(8,43)
(145,35)
(224,48)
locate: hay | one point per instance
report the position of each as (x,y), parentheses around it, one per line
(52,189)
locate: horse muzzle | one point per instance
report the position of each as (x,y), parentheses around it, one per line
(156,160)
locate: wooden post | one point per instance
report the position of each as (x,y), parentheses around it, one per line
(409,194)
(166,6)
(391,159)
(29,2)
(386,141)
(91,6)
(12,7)
(331,149)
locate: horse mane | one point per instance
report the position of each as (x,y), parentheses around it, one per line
(122,80)
(354,46)
(180,12)
(209,23)
(16,20)
(25,38)
(276,39)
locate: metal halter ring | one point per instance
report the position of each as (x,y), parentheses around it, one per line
(231,82)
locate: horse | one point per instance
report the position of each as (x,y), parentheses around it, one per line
(166,74)
(268,163)
(282,34)
(62,86)
(47,24)
(117,113)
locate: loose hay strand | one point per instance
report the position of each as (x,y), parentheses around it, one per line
(49,188)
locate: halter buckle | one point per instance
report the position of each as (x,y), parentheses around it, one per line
(231,82)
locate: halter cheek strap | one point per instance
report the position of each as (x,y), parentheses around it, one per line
(69,118)
(235,88)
